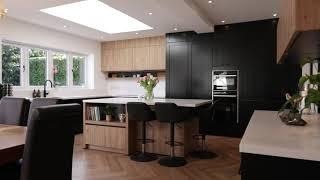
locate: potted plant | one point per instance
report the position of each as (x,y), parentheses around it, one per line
(109,110)
(310,94)
(148,82)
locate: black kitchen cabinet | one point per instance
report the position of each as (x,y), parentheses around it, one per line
(178,66)
(201,67)
(248,47)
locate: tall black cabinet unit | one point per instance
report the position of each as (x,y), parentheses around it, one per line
(178,57)
(249,47)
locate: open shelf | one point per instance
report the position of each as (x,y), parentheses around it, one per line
(105,123)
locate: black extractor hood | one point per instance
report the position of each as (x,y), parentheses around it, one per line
(307,44)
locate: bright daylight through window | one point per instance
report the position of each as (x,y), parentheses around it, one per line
(97,15)
(26,66)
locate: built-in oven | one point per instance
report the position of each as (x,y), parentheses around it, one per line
(225,82)
(225,88)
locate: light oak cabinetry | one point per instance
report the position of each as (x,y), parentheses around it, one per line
(295,16)
(103,135)
(134,55)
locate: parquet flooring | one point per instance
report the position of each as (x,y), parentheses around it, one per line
(98,165)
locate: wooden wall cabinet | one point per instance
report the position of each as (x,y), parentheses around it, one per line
(134,55)
(295,16)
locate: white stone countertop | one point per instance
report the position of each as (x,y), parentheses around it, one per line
(178,102)
(267,135)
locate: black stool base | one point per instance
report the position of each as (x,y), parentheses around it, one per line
(203,154)
(143,157)
(172,161)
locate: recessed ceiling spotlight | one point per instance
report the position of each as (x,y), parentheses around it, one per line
(137,33)
(223,21)
(64,26)
(210,2)
(150,13)
(275,14)
(176,29)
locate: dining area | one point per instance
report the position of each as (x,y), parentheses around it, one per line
(33,133)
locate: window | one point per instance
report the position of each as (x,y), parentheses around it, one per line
(11,57)
(59,69)
(37,67)
(24,66)
(78,70)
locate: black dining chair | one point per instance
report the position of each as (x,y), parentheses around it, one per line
(38,102)
(138,111)
(172,114)
(14,111)
(49,143)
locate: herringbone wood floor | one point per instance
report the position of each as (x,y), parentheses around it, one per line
(98,165)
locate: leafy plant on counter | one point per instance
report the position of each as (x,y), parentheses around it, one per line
(313,94)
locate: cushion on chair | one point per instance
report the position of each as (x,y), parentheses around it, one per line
(170,112)
(138,111)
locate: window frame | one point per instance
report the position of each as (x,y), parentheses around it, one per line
(24,65)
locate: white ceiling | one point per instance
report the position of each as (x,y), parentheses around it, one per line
(186,15)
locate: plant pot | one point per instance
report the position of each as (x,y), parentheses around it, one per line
(108,118)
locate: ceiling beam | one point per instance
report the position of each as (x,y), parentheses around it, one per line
(201,13)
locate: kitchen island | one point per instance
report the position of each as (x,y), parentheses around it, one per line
(272,150)
(121,137)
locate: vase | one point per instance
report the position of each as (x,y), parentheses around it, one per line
(149,95)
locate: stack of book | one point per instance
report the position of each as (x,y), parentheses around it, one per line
(94,113)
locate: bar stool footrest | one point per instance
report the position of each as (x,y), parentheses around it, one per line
(175,143)
(147,140)
(198,136)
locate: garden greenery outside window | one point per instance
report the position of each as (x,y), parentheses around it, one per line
(11,64)
(37,66)
(27,66)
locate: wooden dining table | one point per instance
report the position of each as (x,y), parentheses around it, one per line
(12,140)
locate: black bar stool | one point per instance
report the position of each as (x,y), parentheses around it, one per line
(205,115)
(138,111)
(171,113)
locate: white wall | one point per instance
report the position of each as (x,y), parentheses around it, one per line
(131,87)
(18,31)
(15,30)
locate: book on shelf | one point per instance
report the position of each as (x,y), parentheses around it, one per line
(94,113)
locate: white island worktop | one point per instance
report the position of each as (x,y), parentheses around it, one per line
(178,102)
(267,135)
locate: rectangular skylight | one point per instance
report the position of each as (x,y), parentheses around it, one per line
(97,15)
